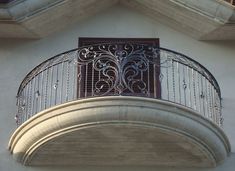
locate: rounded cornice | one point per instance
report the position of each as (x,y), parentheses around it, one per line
(160,117)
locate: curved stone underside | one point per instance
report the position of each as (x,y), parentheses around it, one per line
(119,131)
(121,144)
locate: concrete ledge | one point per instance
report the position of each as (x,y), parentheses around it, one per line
(81,131)
(200,19)
(37,19)
(204,20)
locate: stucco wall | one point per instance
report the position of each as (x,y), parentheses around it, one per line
(18,57)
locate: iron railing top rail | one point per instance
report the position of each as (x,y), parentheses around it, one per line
(196,65)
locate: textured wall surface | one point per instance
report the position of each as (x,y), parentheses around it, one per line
(18,57)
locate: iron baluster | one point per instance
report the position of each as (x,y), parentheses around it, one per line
(189,87)
(167,82)
(173,79)
(51,86)
(184,86)
(194,90)
(67,81)
(198,94)
(179,81)
(46,91)
(62,82)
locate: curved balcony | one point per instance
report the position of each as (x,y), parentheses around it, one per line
(119,104)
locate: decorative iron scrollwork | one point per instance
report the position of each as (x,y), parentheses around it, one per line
(121,67)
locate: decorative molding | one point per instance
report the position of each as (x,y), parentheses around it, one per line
(73,117)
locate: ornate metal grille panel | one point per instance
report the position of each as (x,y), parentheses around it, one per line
(118,69)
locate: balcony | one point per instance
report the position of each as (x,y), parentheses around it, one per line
(119,104)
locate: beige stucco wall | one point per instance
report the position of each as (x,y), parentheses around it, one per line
(18,57)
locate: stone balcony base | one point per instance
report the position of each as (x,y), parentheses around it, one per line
(117,130)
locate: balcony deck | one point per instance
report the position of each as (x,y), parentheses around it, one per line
(119,104)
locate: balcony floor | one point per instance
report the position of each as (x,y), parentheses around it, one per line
(119,131)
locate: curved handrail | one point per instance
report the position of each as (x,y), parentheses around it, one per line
(212,80)
(44,62)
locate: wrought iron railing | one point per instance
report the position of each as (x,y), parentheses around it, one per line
(119,69)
